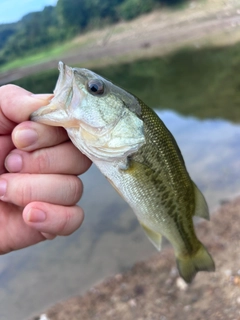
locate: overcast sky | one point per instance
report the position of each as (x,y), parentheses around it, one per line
(14,10)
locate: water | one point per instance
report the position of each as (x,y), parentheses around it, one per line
(110,239)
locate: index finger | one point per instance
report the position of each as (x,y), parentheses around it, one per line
(16,105)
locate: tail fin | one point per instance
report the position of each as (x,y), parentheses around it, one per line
(188,266)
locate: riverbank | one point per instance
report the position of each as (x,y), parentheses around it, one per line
(211,22)
(153,290)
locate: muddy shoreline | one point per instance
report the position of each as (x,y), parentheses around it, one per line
(152,289)
(152,35)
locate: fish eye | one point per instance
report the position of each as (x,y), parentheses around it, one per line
(95,87)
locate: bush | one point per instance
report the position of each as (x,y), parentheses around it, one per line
(130,9)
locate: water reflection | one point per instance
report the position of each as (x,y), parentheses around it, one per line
(110,239)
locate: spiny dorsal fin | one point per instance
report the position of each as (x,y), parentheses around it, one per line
(154,237)
(201,207)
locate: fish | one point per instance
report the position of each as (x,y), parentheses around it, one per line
(138,155)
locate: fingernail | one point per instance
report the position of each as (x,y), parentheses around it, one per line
(13,162)
(36,215)
(3,187)
(43,96)
(25,137)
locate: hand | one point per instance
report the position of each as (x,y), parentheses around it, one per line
(39,187)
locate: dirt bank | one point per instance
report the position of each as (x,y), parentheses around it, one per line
(208,22)
(153,290)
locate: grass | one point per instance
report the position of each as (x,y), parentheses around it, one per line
(45,55)
(200,82)
(160,20)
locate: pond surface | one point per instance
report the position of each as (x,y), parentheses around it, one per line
(110,239)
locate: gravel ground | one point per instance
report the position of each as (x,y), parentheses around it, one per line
(153,290)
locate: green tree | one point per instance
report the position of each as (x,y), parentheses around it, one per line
(73,13)
(103,9)
(35,30)
(130,9)
(6,31)
(38,30)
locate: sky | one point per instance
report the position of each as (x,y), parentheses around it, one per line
(14,10)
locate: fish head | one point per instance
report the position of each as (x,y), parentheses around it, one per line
(102,120)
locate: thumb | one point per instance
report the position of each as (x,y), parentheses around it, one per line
(17,103)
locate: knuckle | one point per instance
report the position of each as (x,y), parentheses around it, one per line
(4,93)
(25,194)
(73,217)
(7,87)
(43,161)
(64,226)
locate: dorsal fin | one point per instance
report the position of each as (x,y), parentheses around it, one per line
(201,207)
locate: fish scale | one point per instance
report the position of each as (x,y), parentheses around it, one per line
(138,155)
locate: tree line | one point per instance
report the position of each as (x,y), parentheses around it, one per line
(39,30)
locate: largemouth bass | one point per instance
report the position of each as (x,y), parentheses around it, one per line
(139,156)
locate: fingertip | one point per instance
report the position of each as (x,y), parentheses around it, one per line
(34,212)
(24,138)
(34,215)
(13,162)
(52,220)
(29,136)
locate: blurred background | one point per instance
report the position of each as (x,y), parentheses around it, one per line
(180,57)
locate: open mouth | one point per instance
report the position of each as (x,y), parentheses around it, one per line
(55,113)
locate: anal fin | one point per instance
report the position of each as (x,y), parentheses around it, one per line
(201,207)
(154,237)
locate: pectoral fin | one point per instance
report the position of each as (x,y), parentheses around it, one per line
(154,237)
(201,207)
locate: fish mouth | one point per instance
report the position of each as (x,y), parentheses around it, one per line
(56,112)
(53,116)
